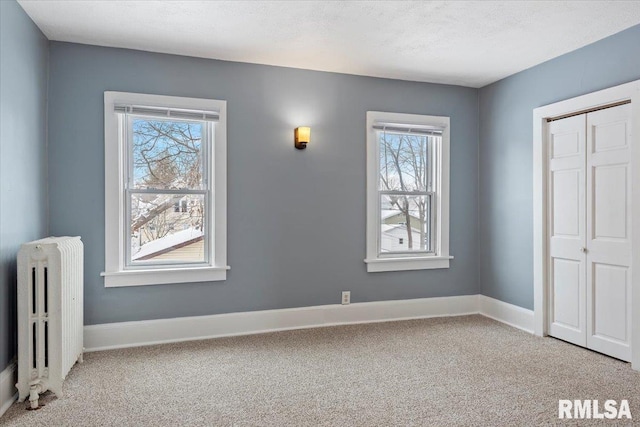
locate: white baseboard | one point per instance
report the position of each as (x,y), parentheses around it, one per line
(149,332)
(510,314)
(8,392)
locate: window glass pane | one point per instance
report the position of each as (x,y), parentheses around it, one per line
(166,154)
(405,161)
(167,228)
(405,223)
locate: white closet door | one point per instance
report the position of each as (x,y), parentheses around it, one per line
(609,231)
(567,226)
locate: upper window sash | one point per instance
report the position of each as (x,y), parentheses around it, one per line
(400,168)
(207,132)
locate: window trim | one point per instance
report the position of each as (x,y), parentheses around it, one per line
(375,262)
(116,273)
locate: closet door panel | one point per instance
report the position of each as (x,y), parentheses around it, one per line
(566,281)
(610,202)
(567,225)
(610,287)
(608,232)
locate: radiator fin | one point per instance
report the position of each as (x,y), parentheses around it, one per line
(34,281)
(34,343)
(46,289)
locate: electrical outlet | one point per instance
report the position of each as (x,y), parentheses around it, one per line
(346,297)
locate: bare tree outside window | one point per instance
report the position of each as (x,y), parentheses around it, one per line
(406,191)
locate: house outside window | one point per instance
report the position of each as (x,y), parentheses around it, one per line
(165,189)
(407,192)
(180,206)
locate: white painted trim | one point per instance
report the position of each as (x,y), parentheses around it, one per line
(441,260)
(164,275)
(539,224)
(408,263)
(8,392)
(628,91)
(635,227)
(510,314)
(149,332)
(115,274)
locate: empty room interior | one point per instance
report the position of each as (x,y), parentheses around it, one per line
(305,213)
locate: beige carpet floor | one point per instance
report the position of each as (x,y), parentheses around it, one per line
(461,371)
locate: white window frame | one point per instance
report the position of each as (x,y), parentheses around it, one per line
(421,261)
(116,274)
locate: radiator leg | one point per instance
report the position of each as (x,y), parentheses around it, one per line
(34,395)
(81,358)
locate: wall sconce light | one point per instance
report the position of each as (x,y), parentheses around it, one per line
(302,135)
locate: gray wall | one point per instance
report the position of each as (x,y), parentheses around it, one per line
(296,218)
(23,195)
(506,183)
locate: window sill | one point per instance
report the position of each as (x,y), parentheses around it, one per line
(400,264)
(163,276)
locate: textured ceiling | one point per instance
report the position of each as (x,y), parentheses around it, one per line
(469,43)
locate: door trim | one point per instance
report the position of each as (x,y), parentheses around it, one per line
(625,92)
